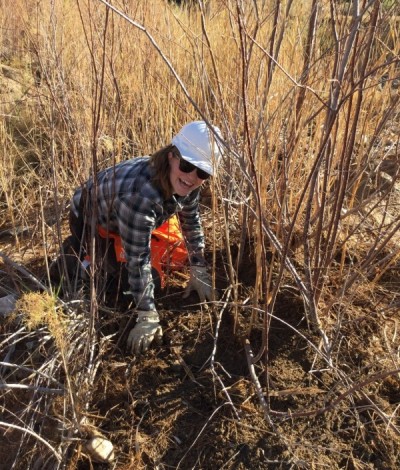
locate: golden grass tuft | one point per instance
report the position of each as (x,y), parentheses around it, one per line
(40,309)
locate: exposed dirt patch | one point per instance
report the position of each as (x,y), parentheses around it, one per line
(191,402)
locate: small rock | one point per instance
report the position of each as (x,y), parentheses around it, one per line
(100,449)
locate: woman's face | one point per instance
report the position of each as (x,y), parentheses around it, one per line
(182,183)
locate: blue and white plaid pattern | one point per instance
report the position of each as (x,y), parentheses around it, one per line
(129,204)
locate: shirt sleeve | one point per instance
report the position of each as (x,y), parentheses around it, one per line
(189,217)
(136,220)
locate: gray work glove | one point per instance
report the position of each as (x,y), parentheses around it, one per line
(146,330)
(200,281)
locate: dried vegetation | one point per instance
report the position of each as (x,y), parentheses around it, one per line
(297,365)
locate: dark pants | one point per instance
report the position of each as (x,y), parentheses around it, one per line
(106,262)
(112,274)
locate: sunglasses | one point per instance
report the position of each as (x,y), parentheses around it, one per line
(187,167)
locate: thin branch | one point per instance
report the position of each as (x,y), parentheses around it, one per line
(36,436)
(57,391)
(214,351)
(23,271)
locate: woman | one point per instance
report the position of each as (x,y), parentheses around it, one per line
(135,197)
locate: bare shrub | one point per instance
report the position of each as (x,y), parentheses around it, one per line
(306,95)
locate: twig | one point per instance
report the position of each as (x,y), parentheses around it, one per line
(23,271)
(357,386)
(250,363)
(170,66)
(57,391)
(200,433)
(31,371)
(383,415)
(212,361)
(189,373)
(32,433)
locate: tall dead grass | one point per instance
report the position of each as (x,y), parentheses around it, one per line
(306,96)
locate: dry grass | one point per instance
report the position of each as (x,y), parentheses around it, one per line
(306,204)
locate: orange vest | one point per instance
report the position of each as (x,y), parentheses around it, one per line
(168,249)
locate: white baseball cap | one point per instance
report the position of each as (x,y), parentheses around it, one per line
(198,145)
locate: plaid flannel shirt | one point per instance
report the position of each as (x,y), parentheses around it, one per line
(129,204)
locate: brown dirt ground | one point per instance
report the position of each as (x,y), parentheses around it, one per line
(168,408)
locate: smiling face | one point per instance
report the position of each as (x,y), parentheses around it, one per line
(182,183)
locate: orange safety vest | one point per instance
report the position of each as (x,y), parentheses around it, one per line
(168,250)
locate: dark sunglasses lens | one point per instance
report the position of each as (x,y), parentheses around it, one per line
(187,167)
(203,175)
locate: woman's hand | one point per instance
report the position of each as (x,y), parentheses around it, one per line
(200,281)
(146,330)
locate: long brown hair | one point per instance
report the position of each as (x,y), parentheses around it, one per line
(160,162)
